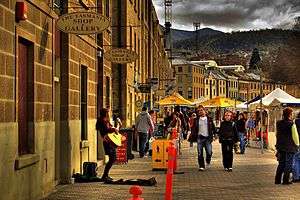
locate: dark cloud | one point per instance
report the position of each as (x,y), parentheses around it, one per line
(233,14)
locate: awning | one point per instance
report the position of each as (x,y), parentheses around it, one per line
(174,99)
(220,102)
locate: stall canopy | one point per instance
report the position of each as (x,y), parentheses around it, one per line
(174,99)
(253,100)
(277,97)
(197,102)
(242,105)
(220,102)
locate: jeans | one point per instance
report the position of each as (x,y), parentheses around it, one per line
(227,153)
(111,152)
(143,138)
(147,146)
(285,162)
(204,143)
(242,142)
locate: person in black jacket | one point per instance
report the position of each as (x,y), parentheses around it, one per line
(203,133)
(228,136)
(104,127)
(285,146)
(241,129)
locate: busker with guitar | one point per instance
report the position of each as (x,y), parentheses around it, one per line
(111,139)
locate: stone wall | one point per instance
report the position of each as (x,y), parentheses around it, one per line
(28,176)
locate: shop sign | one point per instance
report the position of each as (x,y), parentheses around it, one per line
(145,88)
(121,55)
(82,23)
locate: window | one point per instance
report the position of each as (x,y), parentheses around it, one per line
(179,79)
(139,11)
(83,102)
(107,8)
(25,96)
(206,91)
(179,69)
(107,84)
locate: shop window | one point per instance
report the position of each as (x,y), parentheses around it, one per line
(25,96)
(107,8)
(83,103)
(107,91)
(179,69)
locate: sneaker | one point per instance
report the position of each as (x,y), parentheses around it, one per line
(225,169)
(230,169)
(208,166)
(201,169)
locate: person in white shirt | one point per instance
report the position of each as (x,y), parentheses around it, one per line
(203,133)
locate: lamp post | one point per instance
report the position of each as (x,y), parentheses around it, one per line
(261,110)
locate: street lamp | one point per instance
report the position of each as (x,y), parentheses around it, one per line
(261,111)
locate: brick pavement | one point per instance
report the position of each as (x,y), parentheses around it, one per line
(252,178)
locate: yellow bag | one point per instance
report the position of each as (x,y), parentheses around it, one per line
(295,134)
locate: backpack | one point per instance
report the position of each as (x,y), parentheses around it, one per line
(90,169)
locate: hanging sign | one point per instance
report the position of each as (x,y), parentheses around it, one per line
(82,23)
(121,55)
(145,88)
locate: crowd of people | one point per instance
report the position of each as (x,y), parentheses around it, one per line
(198,126)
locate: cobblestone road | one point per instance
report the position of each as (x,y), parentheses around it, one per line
(252,178)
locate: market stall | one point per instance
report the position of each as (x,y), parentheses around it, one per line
(273,104)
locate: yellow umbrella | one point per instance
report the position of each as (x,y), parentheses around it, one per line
(220,102)
(174,99)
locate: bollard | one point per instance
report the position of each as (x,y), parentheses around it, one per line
(136,191)
(170,171)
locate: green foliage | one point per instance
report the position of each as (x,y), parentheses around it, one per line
(255,59)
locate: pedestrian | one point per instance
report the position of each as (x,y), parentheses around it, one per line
(174,124)
(285,146)
(191,124)
(228,136)
(250,124)
(143,125)
(150,133)
(183,124)
(241,129)
(167,119)
(203,132)
(104,126)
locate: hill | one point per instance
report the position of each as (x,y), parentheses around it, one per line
(279,49)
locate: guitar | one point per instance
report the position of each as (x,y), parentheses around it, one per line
(116,138)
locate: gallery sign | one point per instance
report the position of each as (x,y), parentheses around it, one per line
(82,23)
(121,55)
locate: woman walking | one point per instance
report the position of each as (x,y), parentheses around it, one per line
(227,136)
(285,146)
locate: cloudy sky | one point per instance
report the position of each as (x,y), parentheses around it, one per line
(231,15)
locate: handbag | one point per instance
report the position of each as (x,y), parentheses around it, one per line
(295,134)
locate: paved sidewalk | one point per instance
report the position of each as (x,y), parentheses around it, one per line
(252,178)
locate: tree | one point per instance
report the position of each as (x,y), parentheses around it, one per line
(254,60)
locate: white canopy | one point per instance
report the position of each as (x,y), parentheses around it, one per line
(242,105)
(276,97)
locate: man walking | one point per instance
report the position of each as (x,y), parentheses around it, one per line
(143,125)
(203,134)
